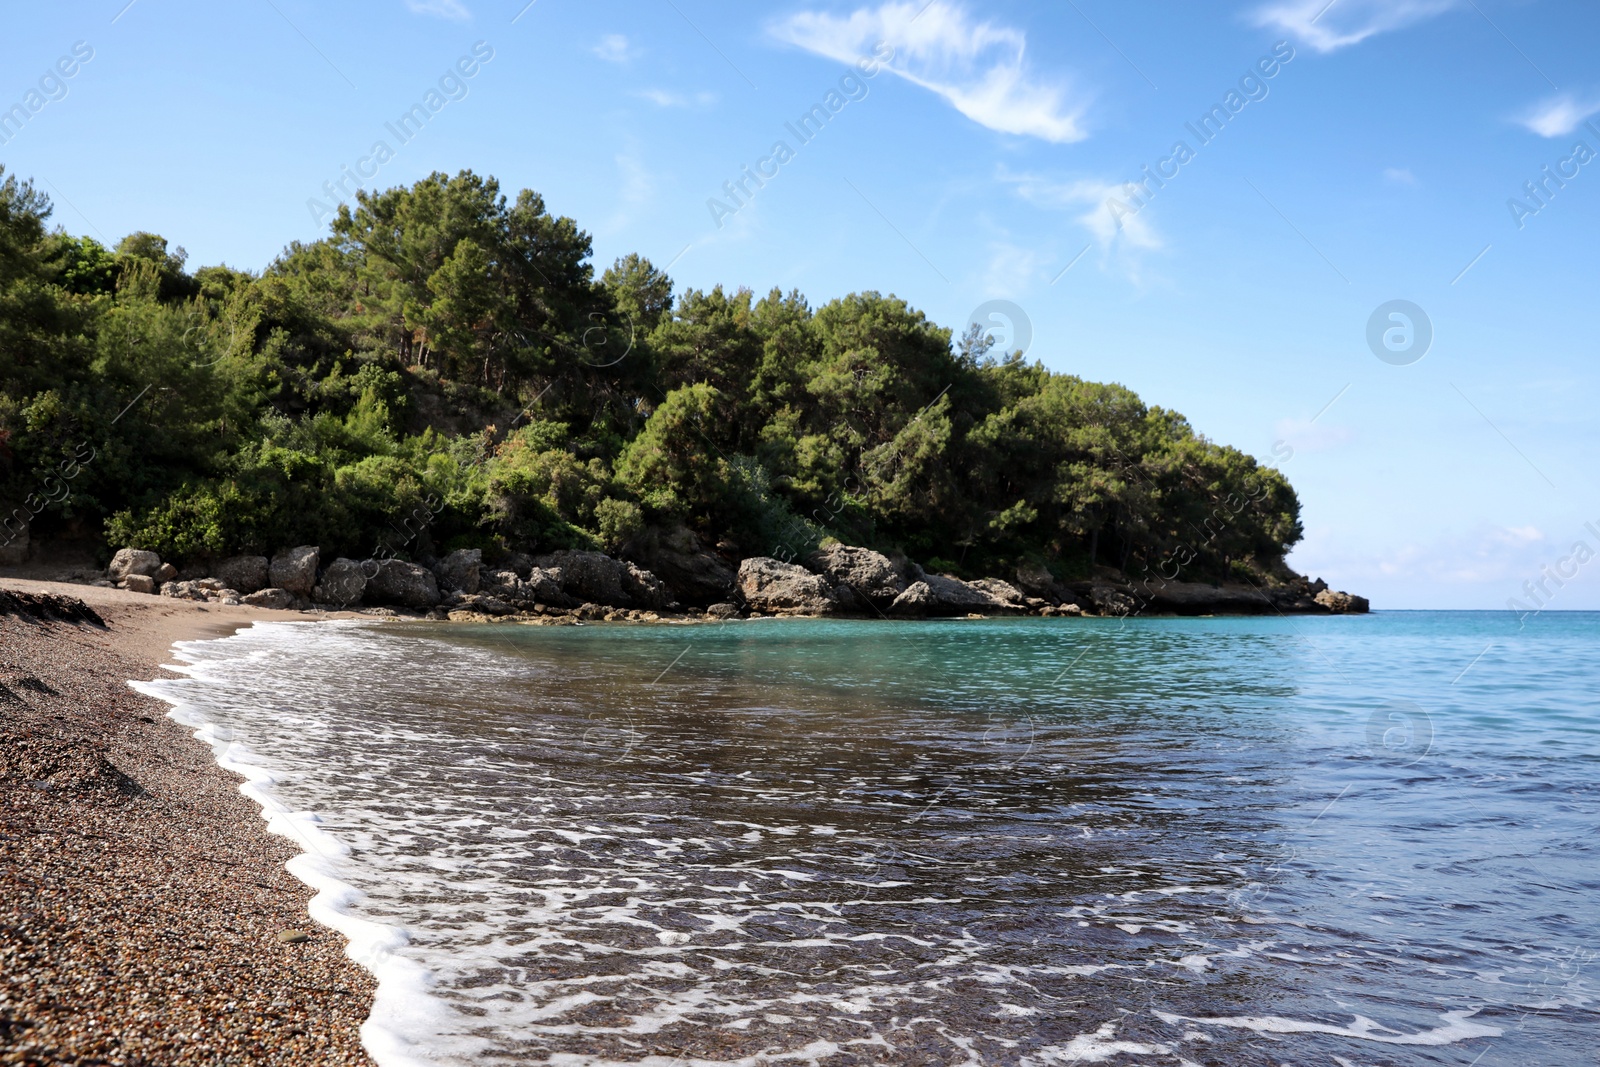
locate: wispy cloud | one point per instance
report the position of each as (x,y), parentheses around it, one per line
(978,67)
(1328,25)
(1399,176)
(616,48)
(1559,115)
(668,98)
(1113,215)
(445,9)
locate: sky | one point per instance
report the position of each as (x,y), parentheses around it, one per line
(1354,239)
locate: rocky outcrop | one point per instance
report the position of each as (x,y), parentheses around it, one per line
(594,578)
(940,595)
(209,589)
(1035,581)
(460,571)
(1342,603)
(344,584)
(400,584)
(295,569)
(270,597)
(772,587)
(133,561)
(693,573)
(244,573)
(873,578)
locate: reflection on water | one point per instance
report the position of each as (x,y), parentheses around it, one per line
(1019,842)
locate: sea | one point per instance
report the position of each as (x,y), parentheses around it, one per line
(1342,841)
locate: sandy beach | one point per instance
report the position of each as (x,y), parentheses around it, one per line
(145,915)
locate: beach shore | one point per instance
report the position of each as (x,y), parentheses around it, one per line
(143,905)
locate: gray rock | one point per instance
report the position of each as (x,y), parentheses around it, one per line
(723,611)
(1343,603)
(1003,593)
(281,599)
(773,587)
(1108,600)
(165,573)
(941,595)
(871,576)
(460,570)
(139,583)
(597,578)
(244,573)
(694,574)
(405,585)
(133,561)
(295,569)
(1034,580)
(344,583)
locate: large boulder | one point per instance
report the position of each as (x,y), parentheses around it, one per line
(133,561)
(1343,603)
(1034,580)
(773,587)
(405,585)
(295,569)
(460,571)
(244,573)
(343,583)
(941,595)
(270,598)
(595,578)
(871,576)
(692,572)
(1109,600)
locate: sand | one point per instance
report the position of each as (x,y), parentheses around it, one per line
(141,898)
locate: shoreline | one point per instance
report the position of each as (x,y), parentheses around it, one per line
(144,896)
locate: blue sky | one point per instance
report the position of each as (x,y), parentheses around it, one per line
(985,153)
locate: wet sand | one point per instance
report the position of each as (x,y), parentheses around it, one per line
(141,898)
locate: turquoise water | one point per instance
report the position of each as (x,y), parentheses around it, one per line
(1344,841)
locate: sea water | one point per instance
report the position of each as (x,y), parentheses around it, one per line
(1334,841)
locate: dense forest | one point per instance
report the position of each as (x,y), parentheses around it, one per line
(444,370)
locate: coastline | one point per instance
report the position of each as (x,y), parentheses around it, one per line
(143,895)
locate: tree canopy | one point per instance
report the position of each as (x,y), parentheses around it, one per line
(448,353)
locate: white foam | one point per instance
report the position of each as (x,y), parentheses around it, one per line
(1455,1028)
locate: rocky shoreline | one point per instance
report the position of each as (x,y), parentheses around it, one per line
(684,582)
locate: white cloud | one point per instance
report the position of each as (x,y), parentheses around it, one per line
(1399,175)
(979,68)
(445,9)
(1328,25)
(1011,268)
(1559,115)
(1112,210)
(1305,435)
(615,48)
(668,98)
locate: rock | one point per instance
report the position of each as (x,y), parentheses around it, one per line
(139,583)
(244,573)
(1343,603)
(776,588)
(1199,598)
(873,577)
(599,579)
(460,570)
(295,569)
(676,556)
(1001,592)
(723,611)
(133,561)
(281,599)
(344,583)
(1034,580)
(1063,609)
(483,605)
(401,584)
(941,595)
(293,937)
(165,573)
(1108,600)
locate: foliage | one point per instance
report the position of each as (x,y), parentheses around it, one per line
(445,369)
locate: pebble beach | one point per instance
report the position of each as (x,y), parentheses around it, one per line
(145,913)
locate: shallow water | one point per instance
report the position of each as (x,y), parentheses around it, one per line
(1343,841)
